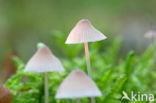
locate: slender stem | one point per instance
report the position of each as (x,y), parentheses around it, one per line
(87,59)
(93,100)
(78,100)
(88,65)
(46,91)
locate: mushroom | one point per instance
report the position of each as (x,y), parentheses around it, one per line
(77,85)
(151,35)
(84,32)
(5,95)
(44,61)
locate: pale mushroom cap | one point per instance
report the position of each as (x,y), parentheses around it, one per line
(77,85)
(150,34)
(84,32)
(44,61)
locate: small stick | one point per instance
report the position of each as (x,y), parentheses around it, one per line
(46,91)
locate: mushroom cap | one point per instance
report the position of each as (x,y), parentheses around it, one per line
(5,95)
(84,32)
(150,34)
(44,61)
(77,85)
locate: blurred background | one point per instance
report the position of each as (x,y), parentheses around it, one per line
(24,23)
(123,62)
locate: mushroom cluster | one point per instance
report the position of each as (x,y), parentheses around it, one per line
(77,84)
(85,32)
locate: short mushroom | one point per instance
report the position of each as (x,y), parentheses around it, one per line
(44,61)
(77,85)
(84,32)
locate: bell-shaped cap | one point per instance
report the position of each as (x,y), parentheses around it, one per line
(44,61)
(84,32)
(77,85)
(150,34)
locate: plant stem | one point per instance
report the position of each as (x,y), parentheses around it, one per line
(78,100)
(88,65)
(46,91)
(87,59)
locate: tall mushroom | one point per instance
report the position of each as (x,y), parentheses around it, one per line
(84,32)
(44,61)
(77,85)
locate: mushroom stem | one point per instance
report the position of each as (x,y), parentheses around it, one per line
(93,100)
(46,91)
(88,65)
(87,59)
(78,100)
